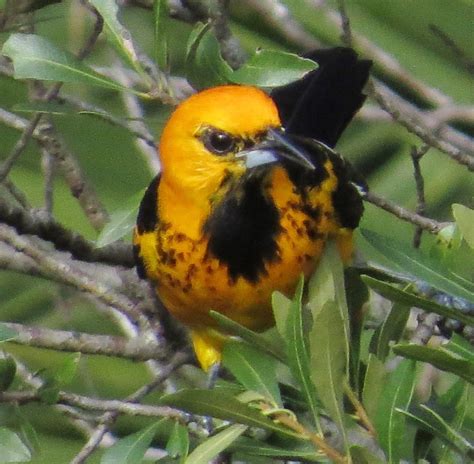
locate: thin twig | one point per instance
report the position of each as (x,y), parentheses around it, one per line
(318,442)
(430,225)
(279,17)
(47,163)
(111,415)
(453,47)
(416,155)
(359,409)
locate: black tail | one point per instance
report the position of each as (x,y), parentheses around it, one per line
(321,105)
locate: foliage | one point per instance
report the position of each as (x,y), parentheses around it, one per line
(337,377)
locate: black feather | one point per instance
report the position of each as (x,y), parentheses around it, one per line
(320,105)
(242,229)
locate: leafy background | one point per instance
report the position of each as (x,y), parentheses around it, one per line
(119,169)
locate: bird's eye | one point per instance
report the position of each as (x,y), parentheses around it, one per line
(218,142)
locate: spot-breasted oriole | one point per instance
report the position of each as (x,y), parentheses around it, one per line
(248,194)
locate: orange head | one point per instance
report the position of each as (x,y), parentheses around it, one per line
(200,143)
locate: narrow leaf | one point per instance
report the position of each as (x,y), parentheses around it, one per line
(259,341)
(465,220)
(374,382)
(178,443)
(122,221)
(221,406)
(362,455)
(131,449)
(281,309)
(34,57)
(214,445)
(390,330)
(271,68)
(328,284)
(440,357)
(394,293)
(430,421)
(7,372)
(12,449)
(298,327)
(389,423)
(205,66)
(413,262)
(118,36)
(6,333)
(160,41)
(253,369)
(259,448)
(328,361)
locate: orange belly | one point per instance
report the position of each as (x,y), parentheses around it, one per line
(190,281)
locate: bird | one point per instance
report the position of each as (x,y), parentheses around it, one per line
(250,191)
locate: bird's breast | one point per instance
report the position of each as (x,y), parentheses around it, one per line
(250,245)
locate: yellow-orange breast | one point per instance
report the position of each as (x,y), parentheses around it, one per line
(190,281)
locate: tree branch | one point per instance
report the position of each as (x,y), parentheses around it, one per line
(135,348)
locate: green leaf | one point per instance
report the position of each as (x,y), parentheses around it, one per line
(389,423)
(361,455)
(374,383)
(298,327)
(12,449)
(6,333)
(259,341)
(258,448)
(214,445)
(205,66)
(465,220)
(58,378)
(460,346)
(34,57)
(221,406)
(357,295)
(432,422)
(463,410)
(253,369)
(118,36)
(178,443)
(160,40)
(328,361)
(413,262)
(7,372)
(395,294)
(328,284)
(270,68)
(281,310)
(131,449)
(441,357)
(391,330)
(121,221)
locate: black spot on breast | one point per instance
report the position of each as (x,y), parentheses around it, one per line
(147,214)
(242,229)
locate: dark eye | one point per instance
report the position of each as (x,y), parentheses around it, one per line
(218,142)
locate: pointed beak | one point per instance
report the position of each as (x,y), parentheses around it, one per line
(273,149)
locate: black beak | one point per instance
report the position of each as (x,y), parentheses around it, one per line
(273,148)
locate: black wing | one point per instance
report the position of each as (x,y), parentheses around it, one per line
(147,220)
(321,105)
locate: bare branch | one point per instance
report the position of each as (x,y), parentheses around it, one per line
(456,145)
(69,273)
(278,16)
(135,348)
(424,223)
(36,223)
